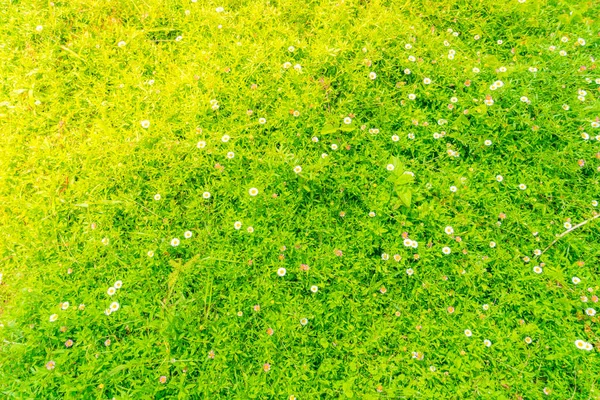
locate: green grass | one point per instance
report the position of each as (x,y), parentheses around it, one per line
(79,172)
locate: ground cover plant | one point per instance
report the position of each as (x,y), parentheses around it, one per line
(299,200)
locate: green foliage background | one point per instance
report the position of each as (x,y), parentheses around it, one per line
(73,153)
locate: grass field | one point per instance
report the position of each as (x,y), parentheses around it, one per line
(299,200)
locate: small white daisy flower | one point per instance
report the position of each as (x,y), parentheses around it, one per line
(175,242)
(487,343)
(297,169)
(314,288)
(372,75)
(281,271)
(111,290)
(446,250)
(468,333)
(253,191)
(575,280)
(347,120)
(453,189)
(157,196)
(53,317)
(206,195)
(237,225)
(114,306)
(188,234)
(225,138)
(390,167)
(145,124)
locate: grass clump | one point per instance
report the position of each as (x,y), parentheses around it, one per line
(281,200)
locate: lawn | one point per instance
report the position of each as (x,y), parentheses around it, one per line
(371,199)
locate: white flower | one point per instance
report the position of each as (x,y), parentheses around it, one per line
(385,256)
(175,242)
(537,269)
(410,272)
(492,244)
(188,234)
(237,225)
(230,155)
(407,242)
(262,121)
(291,49)
(522,186)
(454,99)
(390,167)
(581,42)
(286,65)
(485,307)
(39,28)
(114,306)
(253,191)
(225,138)
(347,120)
(567,225)
(562,53)
(372,75)
(426,81)
(500,41)
(145,124)
(411,136)
(411,58)
(118,284)
(590,311)
(250,229)
(468,333)
(575,280)
(315,139)
(53,317)
(297,169)
(64,305)
(206,195)
(298,67)
(219,9)
(487,343)
(488,142)
(281,271)
(414,244)
(334,146)
(476,70)
(449,230)
(201,144)
(408,46)
(453,188)
(105,241)
(111,290)
(150,254)
(157,196)
(446,250)
(314,288)
(588,346)
(499,178)
(502,69)
(580,344)
(303,321)
(121,43)
(412,96)
(179,38)
(407,71)
(372,214)
(395,138)
(524,99)
(594,203)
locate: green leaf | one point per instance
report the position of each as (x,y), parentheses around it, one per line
(405,197)
(347,388)
(327,129)
(404,179)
